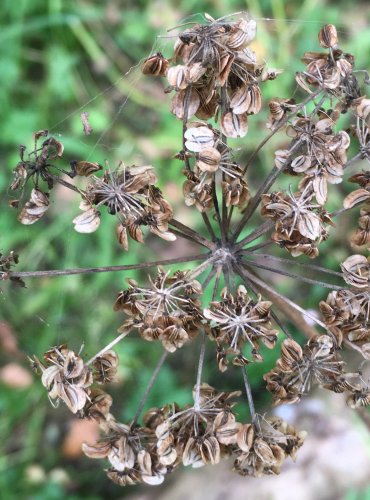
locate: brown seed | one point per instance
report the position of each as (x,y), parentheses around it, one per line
(87,222)
(234,125)
(328,37)
(155,65)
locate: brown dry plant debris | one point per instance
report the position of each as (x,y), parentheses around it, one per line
(214,78)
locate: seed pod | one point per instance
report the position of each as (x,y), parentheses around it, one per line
(209,159)
(179,104)
(234,125)
(121,233)
(242,34)
(177,76)
(155,65)
(88,222)
(85,168)
(198,138)
(328,36)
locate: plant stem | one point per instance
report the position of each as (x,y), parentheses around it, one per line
(199,373)
(295,276)
(224,141)
(209,278)
(209,227)
(248,392)
(184,122)
(192,234)
(217,281)
(257,233)
(104,269)
(149,388)
(106,348)
(294,261)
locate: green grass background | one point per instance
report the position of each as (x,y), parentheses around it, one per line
(55,56)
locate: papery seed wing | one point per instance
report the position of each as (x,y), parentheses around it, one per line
(87,222)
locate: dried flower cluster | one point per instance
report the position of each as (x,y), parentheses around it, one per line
(167,311)
(215,80)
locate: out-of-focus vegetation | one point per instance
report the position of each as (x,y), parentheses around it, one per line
(56,56)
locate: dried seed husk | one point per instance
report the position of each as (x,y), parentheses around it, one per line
(208,160)
(246,99)
(225,62)
(74,397)
(320,187)
(135,231)
(155,65)
(191,454)
(87,222)
(53,148)
(97,450)
(196,71)
(245,437)
(264,452)
(291,352)
(85,168)
(178,77)
(210,451)
(179,101)
(242,34)
(226,428)
(356,197)
(363,110)
(234,126)
(309,226)
(328,37)
(121,232)
(198,138)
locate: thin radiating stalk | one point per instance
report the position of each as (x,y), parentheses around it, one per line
(105,269)
(184,121)
(209,278)
(191,233)
(254,248)
(257,233)
(217,281)
(68,185)
(203,350)
(217,211)
(199,269)
(107,348)
(248,392)
(294,276)
(199,373)
(149,388)
(209,226)
(256,200)
(187,237)
(224,226)
(226,274)
(293,261)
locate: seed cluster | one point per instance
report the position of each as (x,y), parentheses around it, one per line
(215,80)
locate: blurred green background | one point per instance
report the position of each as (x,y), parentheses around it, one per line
(56,56)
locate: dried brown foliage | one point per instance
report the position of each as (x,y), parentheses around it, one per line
(215,79)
